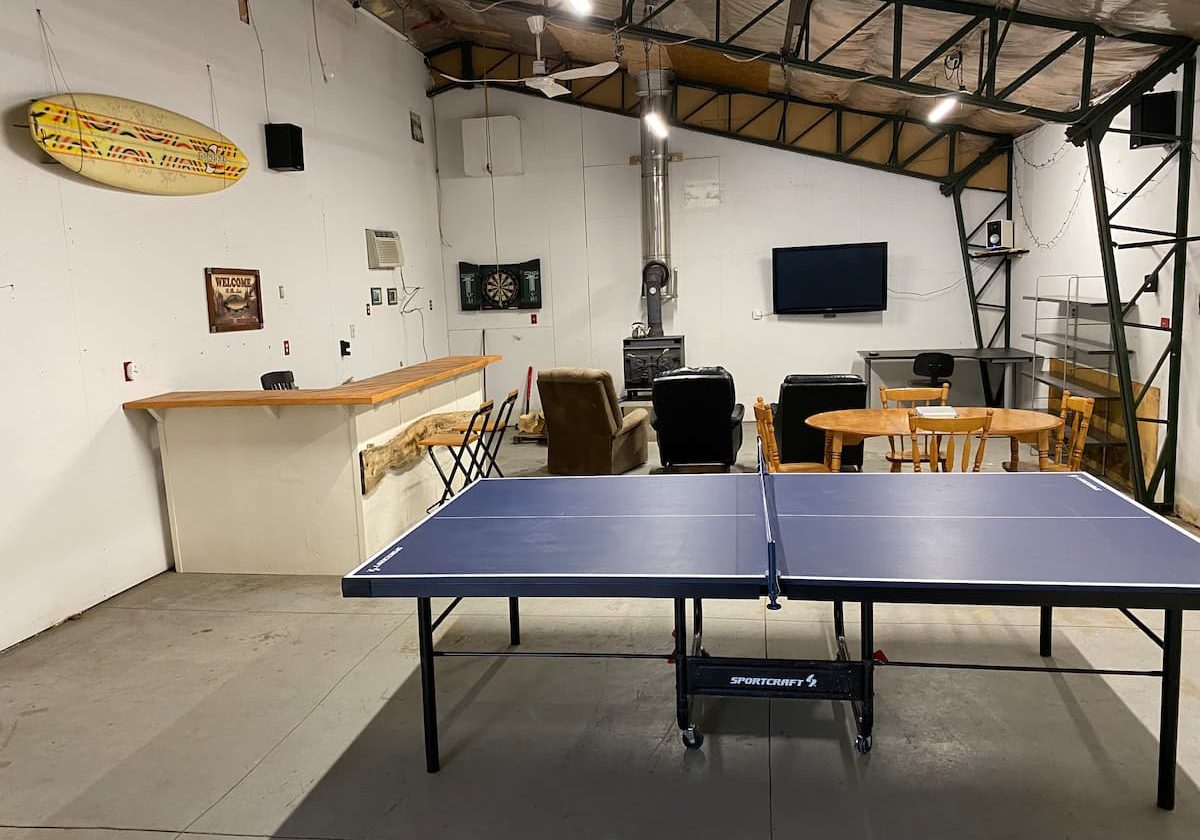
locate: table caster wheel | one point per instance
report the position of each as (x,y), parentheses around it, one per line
(692,738)
(862,744)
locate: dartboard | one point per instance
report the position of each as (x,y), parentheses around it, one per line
(500,287)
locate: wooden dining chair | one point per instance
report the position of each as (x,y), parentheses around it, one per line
(765,422)
(935,429)
(899,453)
(1071,437)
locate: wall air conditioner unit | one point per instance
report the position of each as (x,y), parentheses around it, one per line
(384,249)
(1000,235)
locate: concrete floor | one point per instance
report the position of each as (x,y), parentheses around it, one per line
(214,705)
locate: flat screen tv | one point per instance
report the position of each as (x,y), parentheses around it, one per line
(830,278)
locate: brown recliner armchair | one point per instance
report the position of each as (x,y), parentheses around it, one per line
(585,430)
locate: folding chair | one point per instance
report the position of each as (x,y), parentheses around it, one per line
(460,445)
(495,436)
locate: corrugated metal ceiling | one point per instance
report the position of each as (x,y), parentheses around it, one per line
(434,23)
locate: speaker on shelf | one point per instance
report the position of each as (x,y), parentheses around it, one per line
(285,147)
(1000,235)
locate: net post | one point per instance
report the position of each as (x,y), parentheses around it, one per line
(772,560)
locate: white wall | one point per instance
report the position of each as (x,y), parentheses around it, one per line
(1049,173)
(91,277)
(577,208)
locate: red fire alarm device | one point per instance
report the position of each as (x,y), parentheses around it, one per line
(1165,323)
(533,317)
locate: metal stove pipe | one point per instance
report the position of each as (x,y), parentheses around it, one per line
(654,87)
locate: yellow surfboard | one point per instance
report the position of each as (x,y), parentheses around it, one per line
(133,145)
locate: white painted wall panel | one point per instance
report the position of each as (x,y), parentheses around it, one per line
(98,276)
(581,196)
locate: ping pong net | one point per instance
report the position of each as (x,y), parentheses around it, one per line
(771,524)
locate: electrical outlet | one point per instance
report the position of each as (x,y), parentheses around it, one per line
(130,370)
(533,317)
(281,294)
(368,309)
(287,348)
(756,314)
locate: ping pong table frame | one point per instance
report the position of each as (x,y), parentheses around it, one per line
(697,673)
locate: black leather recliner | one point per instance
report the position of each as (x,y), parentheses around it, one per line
(697,417)
(804,394)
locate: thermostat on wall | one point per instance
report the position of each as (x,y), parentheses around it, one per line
(384,249)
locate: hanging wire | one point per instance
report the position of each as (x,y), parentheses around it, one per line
(317,41)
(262,56)
(53,66)
(212,99)
(487,133)
(51,59)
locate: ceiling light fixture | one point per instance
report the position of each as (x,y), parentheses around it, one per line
(943,108)
(655,123)
(580,7)
(945,105)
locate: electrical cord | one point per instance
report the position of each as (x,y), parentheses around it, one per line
(406,309)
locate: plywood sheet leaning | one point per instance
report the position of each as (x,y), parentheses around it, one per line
(1109,421)
(402,450)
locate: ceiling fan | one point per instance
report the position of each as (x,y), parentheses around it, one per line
(547,83)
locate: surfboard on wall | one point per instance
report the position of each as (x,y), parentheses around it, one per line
(134,146)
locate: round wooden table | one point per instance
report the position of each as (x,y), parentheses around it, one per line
(851,426)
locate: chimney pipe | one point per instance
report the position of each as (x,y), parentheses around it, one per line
(654,86)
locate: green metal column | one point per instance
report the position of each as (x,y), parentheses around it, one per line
(1183,199)
(1116,315)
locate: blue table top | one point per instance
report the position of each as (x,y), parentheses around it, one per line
(987,535)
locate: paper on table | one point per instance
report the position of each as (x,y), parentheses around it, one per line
(936,411)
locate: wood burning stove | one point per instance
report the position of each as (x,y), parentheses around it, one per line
(646,358)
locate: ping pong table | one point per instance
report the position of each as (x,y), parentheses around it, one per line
(1024,539)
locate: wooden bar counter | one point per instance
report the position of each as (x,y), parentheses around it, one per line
(269,481)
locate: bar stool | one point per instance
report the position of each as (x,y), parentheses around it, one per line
(495,436)
(278,380)
(460,445)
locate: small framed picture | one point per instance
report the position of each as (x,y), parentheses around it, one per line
(234,299)
(393,296)
(414,122)
(377,296)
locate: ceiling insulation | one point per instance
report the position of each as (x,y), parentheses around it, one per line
(434,23)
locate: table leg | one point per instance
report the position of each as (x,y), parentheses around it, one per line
(835,453)
(866,722)
(1014,452)
(828,447)
(514,621)
(1043,445)
(428,689)
(1046,634)
(867,376)
(1168,728)
(1009,386)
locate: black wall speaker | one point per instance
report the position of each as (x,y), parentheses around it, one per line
(1154,113)
(285,147)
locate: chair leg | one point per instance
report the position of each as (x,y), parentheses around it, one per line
(448,491)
